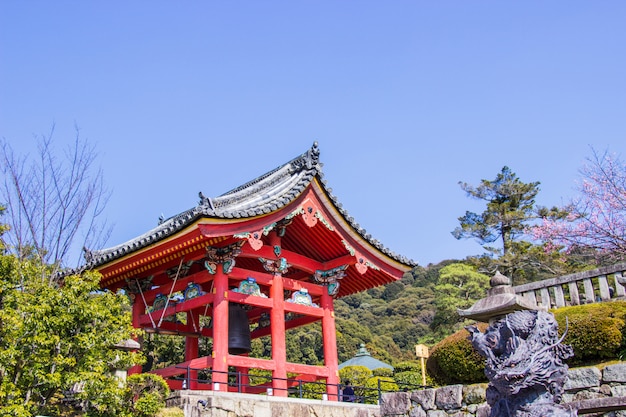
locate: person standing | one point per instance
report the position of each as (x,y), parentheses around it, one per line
(348,392)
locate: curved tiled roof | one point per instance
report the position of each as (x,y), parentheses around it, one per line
(363,358)
(265,194)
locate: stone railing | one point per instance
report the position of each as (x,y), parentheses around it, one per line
(587,390)
(602,284)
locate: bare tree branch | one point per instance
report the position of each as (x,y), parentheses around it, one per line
(52,200)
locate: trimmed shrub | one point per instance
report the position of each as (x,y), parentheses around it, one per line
(382,372)
(407,366)
(595,331)
(171,412)
(387,384)
(408,375)
(454,360)
(358,377)
(312,390)
(147,393)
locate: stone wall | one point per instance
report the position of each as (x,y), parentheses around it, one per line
(225,404)
(583,386)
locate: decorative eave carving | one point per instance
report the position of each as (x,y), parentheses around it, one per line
(330,278)
(275,266)
(225,256)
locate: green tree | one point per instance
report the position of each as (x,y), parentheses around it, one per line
(54,337)
(146,394)
(510,205)
(459,287)
(508,218)
(358,376)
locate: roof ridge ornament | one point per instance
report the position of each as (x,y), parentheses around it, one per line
(307,160)
(206,201)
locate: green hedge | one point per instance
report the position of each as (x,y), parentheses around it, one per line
(595,331)
(454,360)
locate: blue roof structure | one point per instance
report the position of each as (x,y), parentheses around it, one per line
(363,358)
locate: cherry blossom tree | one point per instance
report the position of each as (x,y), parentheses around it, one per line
(596,219)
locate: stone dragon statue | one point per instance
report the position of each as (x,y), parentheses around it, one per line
(524,364)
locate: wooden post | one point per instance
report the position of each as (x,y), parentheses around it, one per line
(421,351)
(138,309)
(277,320)
(191,352)
(220,330)
(329,344)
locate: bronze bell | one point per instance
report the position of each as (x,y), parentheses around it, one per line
(238,330)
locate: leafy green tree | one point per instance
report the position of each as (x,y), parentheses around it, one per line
(459,287)
(54,338)
(146,394)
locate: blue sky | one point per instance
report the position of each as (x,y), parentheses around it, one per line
(406,99)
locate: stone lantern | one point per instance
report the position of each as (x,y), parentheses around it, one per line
(524,355)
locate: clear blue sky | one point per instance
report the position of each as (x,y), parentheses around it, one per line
(406,99)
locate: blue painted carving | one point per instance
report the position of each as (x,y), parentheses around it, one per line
(250,287)
(302,297)
(333,288)
(264,320)
(193,290)
(159,302)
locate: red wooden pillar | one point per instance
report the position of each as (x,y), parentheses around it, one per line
(277,319)
(220,330)
(279,345)
(191,352)
(138,310)
(329,343)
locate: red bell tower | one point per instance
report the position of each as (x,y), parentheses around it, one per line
(266,257)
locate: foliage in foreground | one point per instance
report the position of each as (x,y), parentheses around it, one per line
(56,336)
(146,394)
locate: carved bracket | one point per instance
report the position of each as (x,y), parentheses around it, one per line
(225,256)
(330,278)
(301,297)
(275,266)
(249,286)
(135,286)
(179,272)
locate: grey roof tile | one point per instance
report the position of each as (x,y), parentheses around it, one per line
(264,194)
